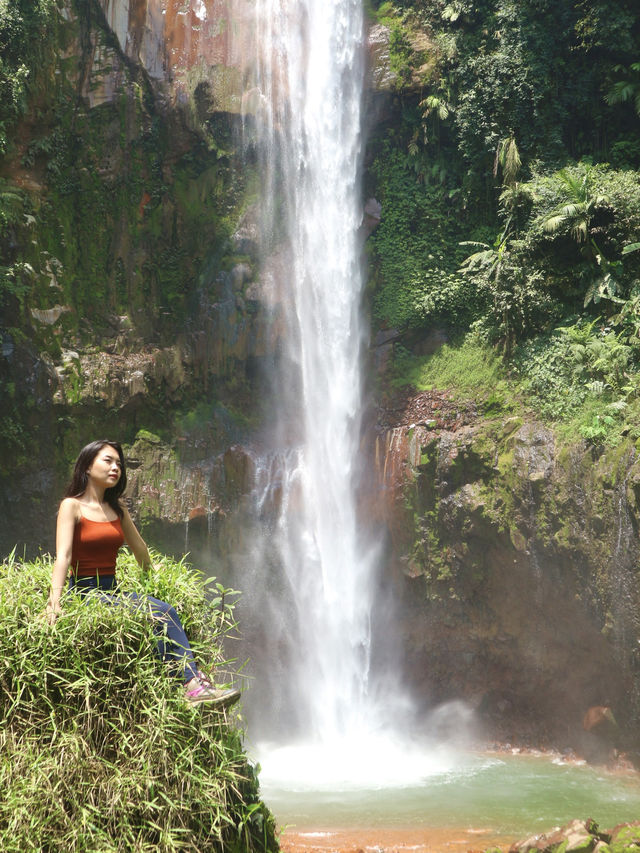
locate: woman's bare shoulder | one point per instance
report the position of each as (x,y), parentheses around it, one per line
(69,507)
(124,508)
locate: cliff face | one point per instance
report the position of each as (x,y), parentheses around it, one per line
(515,558)
(132,298)
(202,47)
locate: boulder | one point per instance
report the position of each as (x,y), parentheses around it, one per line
(578,836)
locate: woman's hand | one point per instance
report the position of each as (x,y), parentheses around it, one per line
(52,611)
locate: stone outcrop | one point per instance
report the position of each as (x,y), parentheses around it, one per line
(202,46)
(582,836)
(515,560)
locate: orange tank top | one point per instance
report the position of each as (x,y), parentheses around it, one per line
(95,547)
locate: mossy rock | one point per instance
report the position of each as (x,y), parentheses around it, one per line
(149,437)
(625,838)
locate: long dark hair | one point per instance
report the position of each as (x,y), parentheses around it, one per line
(80,480)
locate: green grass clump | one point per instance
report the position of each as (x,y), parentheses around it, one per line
(98,749)
(471,369)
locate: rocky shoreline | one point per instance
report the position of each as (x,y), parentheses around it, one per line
(582,836)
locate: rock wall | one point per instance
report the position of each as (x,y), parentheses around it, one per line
(516,561)
(204,45)
(135,302)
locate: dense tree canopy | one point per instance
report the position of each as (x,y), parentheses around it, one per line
(509,173)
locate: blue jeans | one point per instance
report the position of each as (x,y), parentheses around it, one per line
(172,646)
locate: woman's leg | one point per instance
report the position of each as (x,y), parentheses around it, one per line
(174,649)
(173,645)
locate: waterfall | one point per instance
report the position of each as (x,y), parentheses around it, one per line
(326,708)
(309,88)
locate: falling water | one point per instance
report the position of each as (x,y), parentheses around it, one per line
(310,83)
(316,713)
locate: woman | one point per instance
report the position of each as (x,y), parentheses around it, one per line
(92,525)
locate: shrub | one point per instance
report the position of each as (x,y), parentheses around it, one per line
(100,751)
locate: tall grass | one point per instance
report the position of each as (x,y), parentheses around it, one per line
(468,368)
(98,749)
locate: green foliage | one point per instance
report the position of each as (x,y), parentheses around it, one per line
(562,247)
(12,203)
(578,206)
(470,367)
(213,422)
(513,90)
(584,374)
(415,247)
(627,88)
(25,30)
(99,750)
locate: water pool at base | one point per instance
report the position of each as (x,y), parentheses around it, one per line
(507,795)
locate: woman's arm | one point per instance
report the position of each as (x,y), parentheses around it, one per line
(135,541)
(67,518)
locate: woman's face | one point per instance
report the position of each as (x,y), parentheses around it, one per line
(105,470)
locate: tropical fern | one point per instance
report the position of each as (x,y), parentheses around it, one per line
(627,89)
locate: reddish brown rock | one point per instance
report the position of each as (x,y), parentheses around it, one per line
(197,512)
(597,717)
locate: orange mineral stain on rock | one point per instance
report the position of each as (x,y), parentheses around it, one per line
(398,840)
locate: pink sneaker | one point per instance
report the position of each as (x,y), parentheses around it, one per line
(200,690)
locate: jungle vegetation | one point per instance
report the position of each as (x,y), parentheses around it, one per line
(509,177)
(98,747)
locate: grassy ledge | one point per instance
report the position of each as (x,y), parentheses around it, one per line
(579,379)
(98,749)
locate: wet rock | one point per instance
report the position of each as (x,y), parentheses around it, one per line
(518,540)
(238,470)
(245,239)
(599,716)
(511,425)
(576,837)
(197,512)
(115,380)
(371,217)
(601,735)
(7,345)
(240,274)
(383,79)
(493,523)
(625,838)
(210,43)
(580,836)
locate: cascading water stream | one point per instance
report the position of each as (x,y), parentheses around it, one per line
(310,73)
(317,712)
(317,716)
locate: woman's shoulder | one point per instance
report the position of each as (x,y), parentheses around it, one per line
(70,507)
(125,518)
